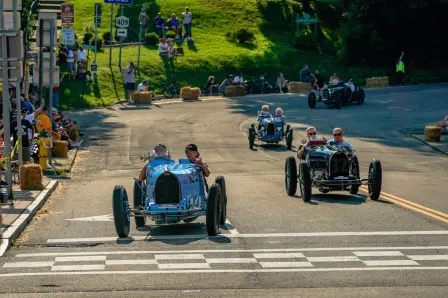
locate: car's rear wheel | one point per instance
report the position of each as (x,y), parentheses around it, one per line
(375,179)
(361,97)
(338,100)
(121,211)
(289,139)
(222,183)
(251,137)
(355,172)
(312,100)
(213,210)
(291,175)
(305,181)
(140,219)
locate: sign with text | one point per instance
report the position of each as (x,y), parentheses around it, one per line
(124,2)
(68,37)
(122,22)
(67,13)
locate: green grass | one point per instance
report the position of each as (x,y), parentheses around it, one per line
(211,54)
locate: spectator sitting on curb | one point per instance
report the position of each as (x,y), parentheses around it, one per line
(226,83)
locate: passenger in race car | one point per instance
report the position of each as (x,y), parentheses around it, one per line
(311,133)
(350,85)
(159,156)
(279,118)
(339,139)
(334,80)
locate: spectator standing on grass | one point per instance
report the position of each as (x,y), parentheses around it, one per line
(70,62)
(130,80)
(159,23)
(81,55)
(163,48)
(143,21)
(399,69)
(187,20)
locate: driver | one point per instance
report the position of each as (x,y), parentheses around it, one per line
(339,139)
(279,117)
(192,153)
(159,156)
(334,80)
(311,133)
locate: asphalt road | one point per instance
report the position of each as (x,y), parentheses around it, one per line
(273,245)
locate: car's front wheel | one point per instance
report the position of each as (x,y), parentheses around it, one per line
(355,172)
(305,181)
(291,175)
(312,100)
(251,137)
(338,100)
(375,179)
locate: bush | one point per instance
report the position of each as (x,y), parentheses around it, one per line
(87,37)
(99,43)
(241,35)
(304,41)
(106,37)
(151,39)
(170,35)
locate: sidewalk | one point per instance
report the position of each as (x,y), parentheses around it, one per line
(15,217)
(441,147)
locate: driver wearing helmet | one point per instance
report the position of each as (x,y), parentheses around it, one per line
(159,156)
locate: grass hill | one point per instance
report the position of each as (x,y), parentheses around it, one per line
(272,23)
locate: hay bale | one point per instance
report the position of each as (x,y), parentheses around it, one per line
(299,87)
(433,133)
(31,177)
(235,91)
(60,148)
(378,82)
(189,93)
(143,97)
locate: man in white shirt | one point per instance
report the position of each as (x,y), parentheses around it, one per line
(163,48)
(351,85)
(239,80)
(187,18)
(82,54)
(339,139)
(70,62)
(143,86)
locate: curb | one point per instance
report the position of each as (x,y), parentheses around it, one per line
(19,225)
(73,160)
(428,144)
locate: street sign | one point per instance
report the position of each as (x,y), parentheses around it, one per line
(97,19)
(123,2)
(122,22)
(68,37)
(67,13)
(122,32)
(93,68)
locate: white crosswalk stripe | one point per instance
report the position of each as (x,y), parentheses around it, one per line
(255,260)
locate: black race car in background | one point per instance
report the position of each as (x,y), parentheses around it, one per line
(336,95)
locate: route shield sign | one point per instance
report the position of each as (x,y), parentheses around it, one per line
(122,22)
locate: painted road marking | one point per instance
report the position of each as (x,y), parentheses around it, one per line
(412,206)
(429,257)
(131,262)
(292,270)
(80,259)
(231,260)
(230,227)
(184,266)
(334,259)
(312,249)
(278,255)
(261,235)
(107,217)
(28,264)
(391,263)
(180,257)
(285,264)
(378,253)
(78,267)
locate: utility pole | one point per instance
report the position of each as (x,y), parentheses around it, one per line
(50,101)
(140,38)
(111,35)
(121,39)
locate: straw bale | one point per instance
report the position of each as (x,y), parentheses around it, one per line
(60,149)
(31,177)
(190,93)
(235,91)
(143,97)
(433,133)
(299,87)
(378,82)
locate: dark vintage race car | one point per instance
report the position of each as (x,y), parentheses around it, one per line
(336,95)
(270,129)
(330,168)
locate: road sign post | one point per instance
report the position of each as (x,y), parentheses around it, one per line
(112,2)
(97,25)
(143,13)
(122,24)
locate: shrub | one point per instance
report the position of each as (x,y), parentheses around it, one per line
(99,43)
(151,39)
(304,41)
(170,35)
(241,35)
(106,37)
(87,37)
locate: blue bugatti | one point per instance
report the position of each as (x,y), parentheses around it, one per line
(172,192)
(270,129)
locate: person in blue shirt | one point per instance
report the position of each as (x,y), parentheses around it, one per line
(279,117)
(159,23)
(159,156)
(339,139)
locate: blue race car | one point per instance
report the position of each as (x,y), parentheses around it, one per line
(270,129)
(172,192)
